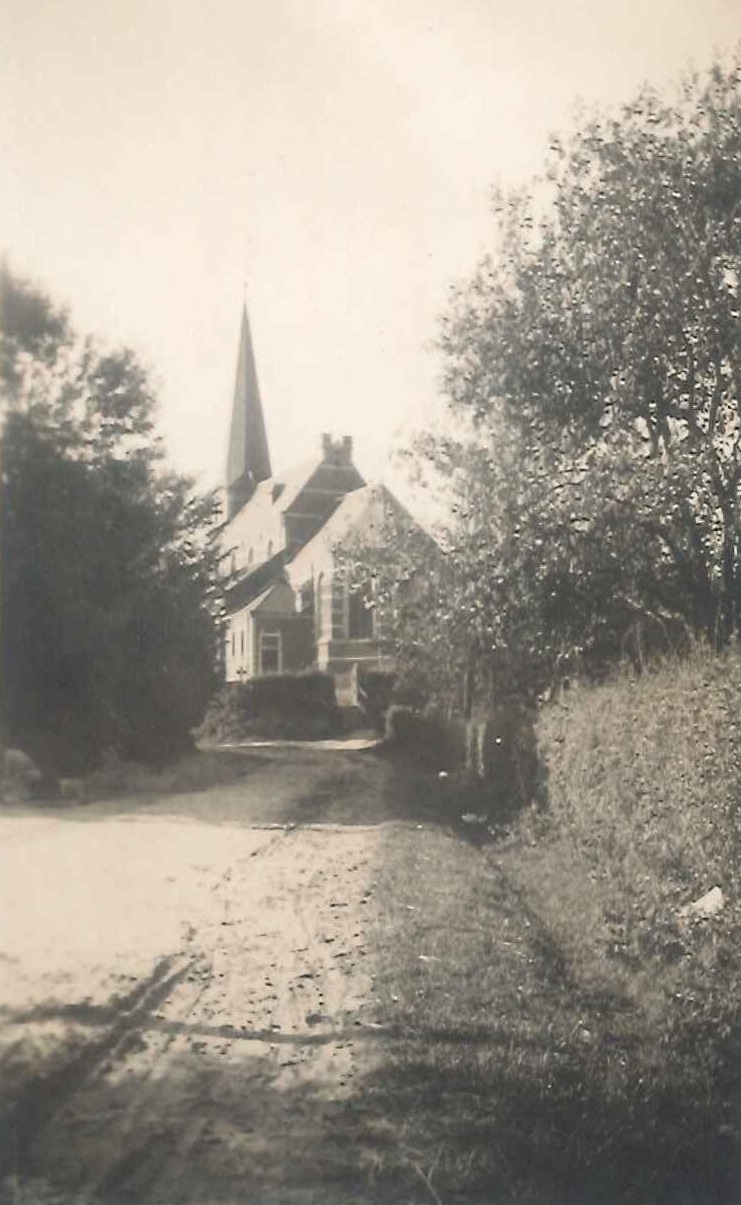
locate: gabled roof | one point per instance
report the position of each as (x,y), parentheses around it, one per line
(368,507)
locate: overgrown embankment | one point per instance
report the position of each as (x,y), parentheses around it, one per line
(643,780)
(567,1034)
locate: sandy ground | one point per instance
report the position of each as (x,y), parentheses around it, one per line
(187,991)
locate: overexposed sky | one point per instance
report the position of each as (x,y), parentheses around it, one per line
(335,155)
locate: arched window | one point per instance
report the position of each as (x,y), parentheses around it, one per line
(270,549)
(250,556)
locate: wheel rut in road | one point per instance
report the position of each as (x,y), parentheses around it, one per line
(235,1071)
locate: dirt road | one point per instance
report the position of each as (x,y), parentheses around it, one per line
(187,990)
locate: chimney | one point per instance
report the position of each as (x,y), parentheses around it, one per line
(337,451)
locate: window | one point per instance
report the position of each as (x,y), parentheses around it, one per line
(360,616)
(270,549)
(250,556)
(339,609)
(306,600)
(319,607)
(270,653)
(241,642)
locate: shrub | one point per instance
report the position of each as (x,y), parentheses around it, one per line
(381,689)
(376,690)
(498,750)
(281,706)
(426,737)
(402,725)
(501,751)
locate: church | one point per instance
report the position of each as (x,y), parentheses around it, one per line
(290,606)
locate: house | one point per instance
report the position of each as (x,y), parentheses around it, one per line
(291,606)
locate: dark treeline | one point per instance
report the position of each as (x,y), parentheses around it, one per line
(110,597)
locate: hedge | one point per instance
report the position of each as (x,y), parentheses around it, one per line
(282,706)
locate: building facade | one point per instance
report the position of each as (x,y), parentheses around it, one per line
(290,605)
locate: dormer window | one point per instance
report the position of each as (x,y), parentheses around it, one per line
(278,490)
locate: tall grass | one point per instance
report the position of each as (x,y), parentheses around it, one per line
(643,778)
(645,774)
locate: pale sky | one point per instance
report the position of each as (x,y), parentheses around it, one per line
(335,155)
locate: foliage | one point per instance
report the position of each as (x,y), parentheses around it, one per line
(110,595)
(426,737)
(376,691)
(496,754)
(300,706)
(592,449)
(412,584)
(644,774)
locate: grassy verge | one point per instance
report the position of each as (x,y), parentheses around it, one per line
(529,1067)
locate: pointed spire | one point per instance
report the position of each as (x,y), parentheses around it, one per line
(248,458)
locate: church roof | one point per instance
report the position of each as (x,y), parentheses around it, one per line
(281,492)
(277,495)
(271,499)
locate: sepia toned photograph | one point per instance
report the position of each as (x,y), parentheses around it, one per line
(370,602)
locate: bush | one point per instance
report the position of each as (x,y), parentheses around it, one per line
(498,750)
(381,689)
(426,737)
(501,750)
(282,706)
(376,691)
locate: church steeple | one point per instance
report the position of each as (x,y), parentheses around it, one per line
(248,458)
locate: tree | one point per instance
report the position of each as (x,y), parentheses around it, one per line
(110,595)
(593,371)
(400,573)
